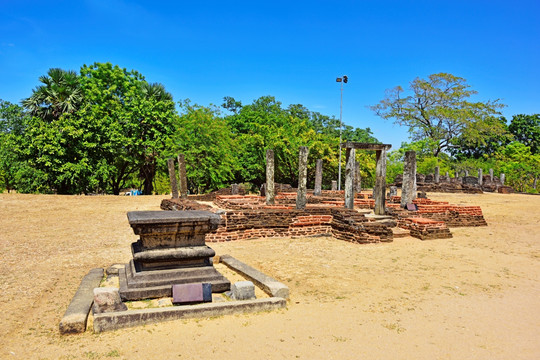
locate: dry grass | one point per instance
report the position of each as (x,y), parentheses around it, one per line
(473,296)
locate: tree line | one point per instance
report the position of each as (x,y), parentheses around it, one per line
(105,129)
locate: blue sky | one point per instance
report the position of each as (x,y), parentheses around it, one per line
(293,50)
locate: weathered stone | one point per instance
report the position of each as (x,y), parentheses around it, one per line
(393,191)
(429,178)
(422,195)
(470,180)
(408,189)
(437,177)
(357,178)
(234,189)
(164,302)
(243,290)
(334,185)
(107,299)
(114,269)
(270,191)
(349,178)
(502,178)
(491,175)
(318,178)
(301,198)
(379,190)
(269,285)
(123,319)
(172,178)
(183,177)
(480,177)
(76,315)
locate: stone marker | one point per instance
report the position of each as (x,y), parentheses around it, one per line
(74,319)
(270,190)
(334,185)
(502,178)
(357,178)
(349,178)
(408,188)
(318,178)
(437,175)
(191,293)
(393,191)
(491,175)
(182,174)
(234,189)
(243,290)
(172,177)
(107,299)
(301,198)
(480,177)
(466,172)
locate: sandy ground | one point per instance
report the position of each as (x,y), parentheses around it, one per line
(476,296)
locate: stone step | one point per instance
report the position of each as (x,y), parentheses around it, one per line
(399,232)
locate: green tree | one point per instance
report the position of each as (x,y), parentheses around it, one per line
(521,167)
(59,94)
(526,129)
(205,140)
(12,124)
(439,109)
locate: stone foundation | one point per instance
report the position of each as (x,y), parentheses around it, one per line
(425,229)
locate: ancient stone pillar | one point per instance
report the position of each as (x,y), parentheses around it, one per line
(466,172)
(447,175)
(491,175)
(357,178)
(349,178)
(480,178)
(437,175)
(379,190)
(183,177)
(393,191)
(334,185)
(502,177)
(408,188)
(234,189)
(301,199)
(172,177)
(270,187)
(318,178)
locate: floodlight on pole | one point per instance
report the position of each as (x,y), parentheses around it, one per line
(343,79)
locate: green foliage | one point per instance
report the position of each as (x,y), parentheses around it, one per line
(12,126)
(520,166)
(526,129)
(481,139)
(205,140)
(439,109)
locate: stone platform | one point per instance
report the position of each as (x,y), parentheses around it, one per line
(171,250)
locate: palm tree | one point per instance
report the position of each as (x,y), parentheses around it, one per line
(59,94)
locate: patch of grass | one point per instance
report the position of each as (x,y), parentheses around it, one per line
(113,353)
(340,338)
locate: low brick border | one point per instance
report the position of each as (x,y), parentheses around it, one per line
(76,315)
(130,318)
(268,284)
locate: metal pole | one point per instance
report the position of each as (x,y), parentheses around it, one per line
(340,127)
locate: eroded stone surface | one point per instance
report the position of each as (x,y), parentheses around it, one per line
(107,299)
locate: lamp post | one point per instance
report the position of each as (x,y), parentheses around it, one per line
(341,80)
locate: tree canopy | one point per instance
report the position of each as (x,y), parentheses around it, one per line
(439,108)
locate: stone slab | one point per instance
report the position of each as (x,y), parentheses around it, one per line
(76,315)
(107,299)
(167,217)
(130,318)
(268,284)
(243,290)
(191,293)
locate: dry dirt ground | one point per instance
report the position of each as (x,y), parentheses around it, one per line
(476,296)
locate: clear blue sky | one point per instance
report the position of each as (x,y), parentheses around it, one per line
(293,50)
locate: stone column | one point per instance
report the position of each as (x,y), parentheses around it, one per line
(357,178)
(234,189)
(502,178)
(349,178)
(466,172)
(301,199)
(408,188)
(480,177)
(183,177)
(491,174)
(172,177)
(437,175)
(379,190)
(270,187)
(448,175)
(334,185)
(318,178)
